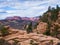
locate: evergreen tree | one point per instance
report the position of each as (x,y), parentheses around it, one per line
(49,9)
(29,29)
(54,14)
(58,8)
(49,19)
(35,26)
(56,30)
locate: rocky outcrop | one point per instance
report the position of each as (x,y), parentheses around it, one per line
(41,27)
(22,38)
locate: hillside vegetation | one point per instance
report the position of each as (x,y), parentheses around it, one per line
(52,18)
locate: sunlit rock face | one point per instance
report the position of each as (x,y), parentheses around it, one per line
(41,28)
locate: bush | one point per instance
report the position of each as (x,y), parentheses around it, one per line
(4,31)
(32,42)
(4,42)
(16,42)
(51,41)
(35,44)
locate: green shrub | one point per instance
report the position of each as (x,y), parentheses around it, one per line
(4,31)
(32,42)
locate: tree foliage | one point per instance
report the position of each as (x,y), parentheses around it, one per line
(54,13)
(4,31)
(29,29)
(49,19)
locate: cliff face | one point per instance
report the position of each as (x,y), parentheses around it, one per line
(20,37)
(50,22)
(41,27)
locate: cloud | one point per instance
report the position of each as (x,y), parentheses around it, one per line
(28,8)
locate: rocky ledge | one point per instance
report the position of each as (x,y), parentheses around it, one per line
(19,37)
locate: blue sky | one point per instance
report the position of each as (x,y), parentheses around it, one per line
(25,8)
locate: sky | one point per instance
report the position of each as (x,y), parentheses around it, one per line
(25,8)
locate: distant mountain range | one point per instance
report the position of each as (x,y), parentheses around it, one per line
(23,18)
(17,22)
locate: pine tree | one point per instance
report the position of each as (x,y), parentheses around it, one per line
(29,29)
(49,9)
(58,8)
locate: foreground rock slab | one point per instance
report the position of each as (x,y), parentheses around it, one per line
(22,38)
